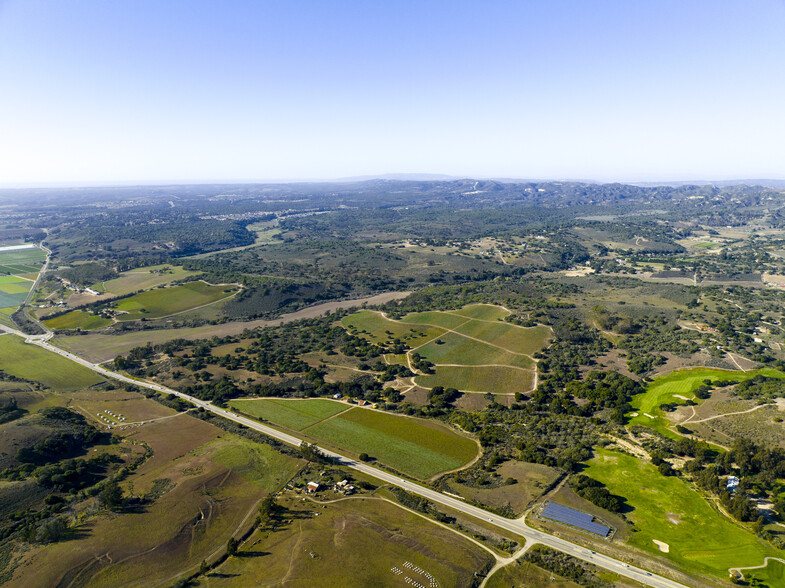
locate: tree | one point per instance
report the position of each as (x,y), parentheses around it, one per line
(231,546)
(311,452)
(266,509)
(112,495)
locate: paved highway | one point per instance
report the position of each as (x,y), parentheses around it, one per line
(517,526)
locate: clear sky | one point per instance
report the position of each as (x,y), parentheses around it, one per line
(189,90)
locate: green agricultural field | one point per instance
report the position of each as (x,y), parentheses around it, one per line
(163,302)
(511,337)
(667,509)
(479,378)
(671,387)
(414,446)
(13,291)
(14,284)
(292,414)
(21,261)
(143,278)
(436,318)
(485,312)
(454,349)
(411,446)
(379,329)
(472,349)
(78,319)
(33,363)
(11,300)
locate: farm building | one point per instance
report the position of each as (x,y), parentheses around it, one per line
(312,486)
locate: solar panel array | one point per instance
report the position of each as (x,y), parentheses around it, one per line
(576,518)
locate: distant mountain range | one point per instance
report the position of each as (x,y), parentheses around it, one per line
(414,177)
(392,177)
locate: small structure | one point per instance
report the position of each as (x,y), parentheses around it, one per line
(337,395)
(344,487)
(362,402)
(732,484)
(312,487)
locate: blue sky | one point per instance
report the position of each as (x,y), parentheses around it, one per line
(146,91)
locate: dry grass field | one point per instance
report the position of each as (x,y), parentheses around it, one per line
(353,542)
(208,483)
(531,480)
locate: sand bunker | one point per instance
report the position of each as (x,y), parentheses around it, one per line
(664,547)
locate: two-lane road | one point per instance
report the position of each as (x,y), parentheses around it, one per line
(517,526)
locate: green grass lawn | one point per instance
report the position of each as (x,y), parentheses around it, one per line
(163,302)
(292,414)
(78,319)
(413,446)
(668,509)
(772,576)
(666,389)
(33,363)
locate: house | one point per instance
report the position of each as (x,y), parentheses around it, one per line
(362,402)
(312,487)
(732,483)
(336,396)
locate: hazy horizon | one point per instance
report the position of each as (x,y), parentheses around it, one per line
(117,94)
(773,182)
